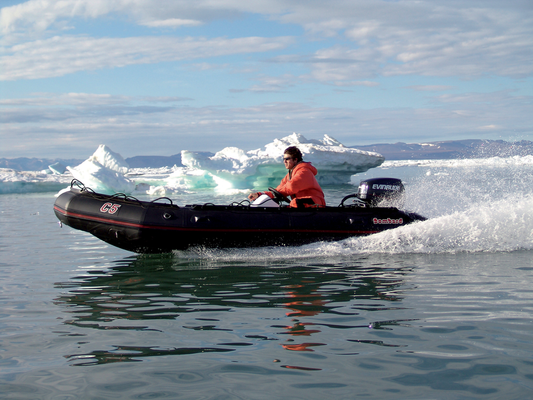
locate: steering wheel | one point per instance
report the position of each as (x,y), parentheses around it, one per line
(278,196)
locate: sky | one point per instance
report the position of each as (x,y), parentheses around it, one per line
(154,77)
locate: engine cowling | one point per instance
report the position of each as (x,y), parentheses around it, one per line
(383,192)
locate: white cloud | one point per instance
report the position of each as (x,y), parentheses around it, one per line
(274,84)
(430,88)
(469,39)
(429,40)
(85,100)
(356,83)
(171,23)
(489,127)
(433,38)
(63,55)
(339,63)
(39,15)
(66,99)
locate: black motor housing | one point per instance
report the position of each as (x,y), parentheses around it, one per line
(381,192)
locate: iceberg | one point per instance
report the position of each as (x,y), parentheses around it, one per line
(230,169)
(57,168)
(104,172)
(237,169)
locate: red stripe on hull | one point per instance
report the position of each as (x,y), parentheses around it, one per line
(173,228)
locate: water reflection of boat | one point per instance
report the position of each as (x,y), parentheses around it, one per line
(140,293)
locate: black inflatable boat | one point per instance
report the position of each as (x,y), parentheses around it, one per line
(161,226)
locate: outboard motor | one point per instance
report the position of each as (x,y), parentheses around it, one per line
(384,192)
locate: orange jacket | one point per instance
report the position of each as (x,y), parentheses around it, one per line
(301,183)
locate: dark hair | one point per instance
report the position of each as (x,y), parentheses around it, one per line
(294,152)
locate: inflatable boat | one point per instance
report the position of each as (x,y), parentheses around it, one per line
(160,226)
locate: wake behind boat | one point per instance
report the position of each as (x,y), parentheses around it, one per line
(161,226)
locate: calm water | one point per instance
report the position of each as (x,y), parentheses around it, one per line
(439,310)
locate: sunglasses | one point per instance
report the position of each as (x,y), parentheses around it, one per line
(287,158)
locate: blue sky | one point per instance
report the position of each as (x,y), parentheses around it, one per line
(154,77)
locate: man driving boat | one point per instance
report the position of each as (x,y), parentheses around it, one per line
(300,182)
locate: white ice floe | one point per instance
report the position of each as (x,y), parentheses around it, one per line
(12,181)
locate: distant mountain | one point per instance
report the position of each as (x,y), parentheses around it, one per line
(470,148)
